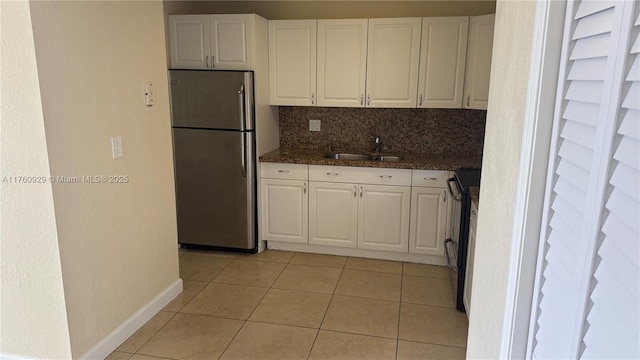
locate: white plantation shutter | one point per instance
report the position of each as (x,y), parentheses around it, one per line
(587,302)
(613,319)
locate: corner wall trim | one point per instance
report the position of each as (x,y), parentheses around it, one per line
(115,338)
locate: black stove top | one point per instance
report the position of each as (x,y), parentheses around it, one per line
(468,177)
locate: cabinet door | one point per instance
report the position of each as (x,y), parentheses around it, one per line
(428,221)
(232,42)
(383,217)
(333,214)
(443,52)
(476,86)
(292,62)
(189,41)
(342,62)
(468,278)
(285,210)
(393,56)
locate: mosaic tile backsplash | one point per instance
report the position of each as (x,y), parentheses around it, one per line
(428,131)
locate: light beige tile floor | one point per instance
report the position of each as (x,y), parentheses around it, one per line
(284,305)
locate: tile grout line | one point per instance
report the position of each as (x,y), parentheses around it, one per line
(327,309)
(254,309)
(399,312)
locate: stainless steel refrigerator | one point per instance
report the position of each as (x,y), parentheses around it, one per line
(212,118)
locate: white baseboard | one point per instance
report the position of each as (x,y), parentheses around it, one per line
(372,254)
(111,342)
(7,356)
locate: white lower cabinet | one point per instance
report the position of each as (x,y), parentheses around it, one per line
(430,212)
(383,217)
(360,207)
(285,203)
(375,210)
(333,214)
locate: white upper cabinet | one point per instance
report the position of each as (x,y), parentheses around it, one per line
(443,52)
(215,42)
(342,62)
(292,62)
(393,56)
(232,42)
(476,87)
(190,41)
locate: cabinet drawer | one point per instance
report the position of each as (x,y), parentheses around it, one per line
(430,178)
(284,171)
(347,174)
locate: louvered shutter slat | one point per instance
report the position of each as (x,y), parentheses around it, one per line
(634,73)
(628,151)
(623,206)
(626,285)
(591,47)
(592,7)
(631,124)
(578,174)
(574,196)
(576,154)
(626,237)
(585,91)
(584,113)
(579,133)
(588,69)
(632,101)
(566,212)
(599,23)
(627,179)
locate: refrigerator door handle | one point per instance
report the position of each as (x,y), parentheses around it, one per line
(242,108)
(243,155)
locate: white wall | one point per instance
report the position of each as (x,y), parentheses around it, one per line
(118,242)
(501,158)
(33,318)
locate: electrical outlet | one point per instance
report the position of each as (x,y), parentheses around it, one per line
(314,125)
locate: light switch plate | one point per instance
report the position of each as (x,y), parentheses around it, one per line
(149,97)
(314,125)
(116,147)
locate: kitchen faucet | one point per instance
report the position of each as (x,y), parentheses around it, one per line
(378,145)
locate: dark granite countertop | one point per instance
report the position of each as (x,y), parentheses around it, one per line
(411,161)
(474,191)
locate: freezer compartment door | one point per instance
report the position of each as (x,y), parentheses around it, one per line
(212,99)
(215,187)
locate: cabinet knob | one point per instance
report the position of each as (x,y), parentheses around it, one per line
(355,190)
(213,61)
(360,191)
(386,176)
(312,98)
(430,178)
(368,99)
(332,174)
(420,100)
(361,100)
(304,188)
(283,171)
(468,98)
(206,61)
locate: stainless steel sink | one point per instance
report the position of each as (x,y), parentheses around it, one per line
(344,156)
(391,158)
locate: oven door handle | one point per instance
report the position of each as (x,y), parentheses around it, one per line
(455,197)
(446,250)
